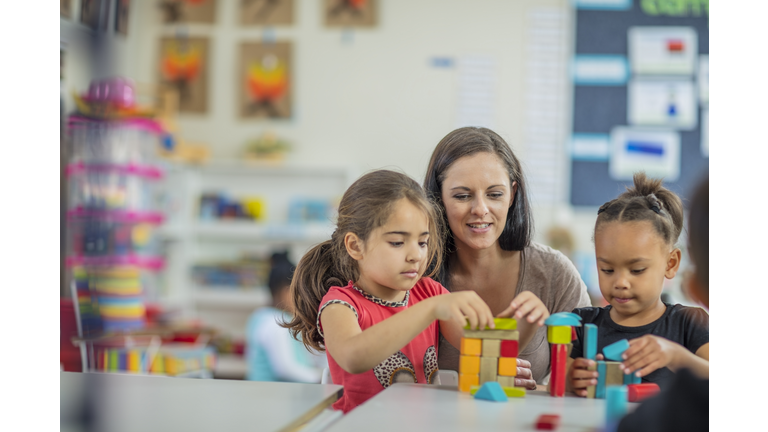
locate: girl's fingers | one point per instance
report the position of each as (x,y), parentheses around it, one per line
(472,317)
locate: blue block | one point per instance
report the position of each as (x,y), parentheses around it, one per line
(615,403)
(600,387)
(590,341)
(631,378)
(563,319)
(615,350)
(491,391)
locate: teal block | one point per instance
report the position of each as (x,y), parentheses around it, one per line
(600,388)
(615,403)
(563,319)
(615,350)
(590,341)
(491,391)
(631,378)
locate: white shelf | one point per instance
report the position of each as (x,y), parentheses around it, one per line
(232,297)
(245,230)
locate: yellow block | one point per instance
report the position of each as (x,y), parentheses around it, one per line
(500,324)
(559,334)
(469,365)
(466,381)
(508,366)
(510,391)
(491,347)
(470,346)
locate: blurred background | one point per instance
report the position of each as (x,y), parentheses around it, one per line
(206,143)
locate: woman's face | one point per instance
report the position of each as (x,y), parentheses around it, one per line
(477,196)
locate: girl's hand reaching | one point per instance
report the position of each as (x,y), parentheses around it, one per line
(462,306)
(648,353)
(526,304)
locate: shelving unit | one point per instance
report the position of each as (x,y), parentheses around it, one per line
(189,240)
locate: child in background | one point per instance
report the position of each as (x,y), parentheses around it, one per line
(685,404)
(271,353)
(361,295)
(635,238)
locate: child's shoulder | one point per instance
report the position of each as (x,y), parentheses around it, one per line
(347,292)
(428,287)
(590,315)
(687,313)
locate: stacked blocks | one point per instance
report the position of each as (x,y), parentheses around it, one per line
(559,335)
(489,356)
(609,372)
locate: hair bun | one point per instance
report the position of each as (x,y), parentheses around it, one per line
(655,205)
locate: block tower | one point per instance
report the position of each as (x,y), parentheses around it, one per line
(560,333)
(609,370)
(489,355)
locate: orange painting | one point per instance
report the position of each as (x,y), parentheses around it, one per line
(183,66)
(266,80)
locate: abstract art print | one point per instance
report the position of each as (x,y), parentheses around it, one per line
(265,80)
(266,12)
(188,11)
(184,67)
(351,13)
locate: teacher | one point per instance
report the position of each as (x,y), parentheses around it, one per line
(477,182)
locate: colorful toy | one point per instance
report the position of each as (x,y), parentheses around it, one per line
(548,422)
(609,372)
(490,356)
(638,392)
(615,350)
(491,391)
(615,403)
(559,335)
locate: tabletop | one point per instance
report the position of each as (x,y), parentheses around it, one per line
(130,402)
(435,408)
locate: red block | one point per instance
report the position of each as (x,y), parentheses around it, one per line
(675,45)
(573,333)
(638,392)
(559,353)
(548,422)
(509,348)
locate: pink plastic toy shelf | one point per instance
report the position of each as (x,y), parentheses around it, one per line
(147,171)
(150,263)
(126,216)
(135,122)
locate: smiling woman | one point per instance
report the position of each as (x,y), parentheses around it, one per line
(478,184)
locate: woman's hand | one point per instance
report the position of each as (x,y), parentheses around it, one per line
(524,377)
(580,377)
(649,353)
(462,306)
(526,304)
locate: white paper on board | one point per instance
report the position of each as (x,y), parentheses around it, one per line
(665,102)
(655,151)
(705,132)
(704,79)
(663,50)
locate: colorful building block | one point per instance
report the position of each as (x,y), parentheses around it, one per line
(466,381)
(488,369)
(507,366)
(471,346)
(615,403)
(638,392)
(559,334)
(548,422)
(499,324)
(491,391)
(559,364)
(569,319)
(613,374)
(492,334)
(631,378)
(469,364)
(615,350)
(591,389)
(491,348)
(510,391)
(506,381)
(509,348)
(590,341)
(600,388)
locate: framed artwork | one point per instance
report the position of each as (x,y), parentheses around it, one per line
(264,80)
(65,8)
(266,12)
(188,11)
(94,13)
(351,13)
(184,67)
(121,16)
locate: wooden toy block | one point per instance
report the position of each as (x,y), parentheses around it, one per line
(548,422)
(559,334)
(506,381)
(590,341)
(509,348)
(638,392)
(563,319)
(558,375)
(469,365)
(466,381)
(507,366)
(491,391)
(573,334)
(600,390)
(492,334)
(615,350)
(471,346)
(510,391)
(591,389)
(613,374)
(615,403)
(488,369)
(499,324)
(631,378)
(491,348)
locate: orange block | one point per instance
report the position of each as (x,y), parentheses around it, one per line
(473,347)
(466,381)
(469,365)
(507,366)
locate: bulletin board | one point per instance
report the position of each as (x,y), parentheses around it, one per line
(600,107)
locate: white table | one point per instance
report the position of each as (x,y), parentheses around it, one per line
(129,402)
(405,407)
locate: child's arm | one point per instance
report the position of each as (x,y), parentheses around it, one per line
(357,350)
(526,305)
(648,353)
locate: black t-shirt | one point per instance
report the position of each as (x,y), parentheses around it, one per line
(687,326)
(684,406)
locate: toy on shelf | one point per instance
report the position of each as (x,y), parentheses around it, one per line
(249,272)
(174,146)
(560,333)
(266,148)
(490,356)
(112,98)
(215,206)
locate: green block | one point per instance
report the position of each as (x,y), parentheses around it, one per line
(509,391)
(501,324)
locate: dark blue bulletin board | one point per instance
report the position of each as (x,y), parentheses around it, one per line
(598,108)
